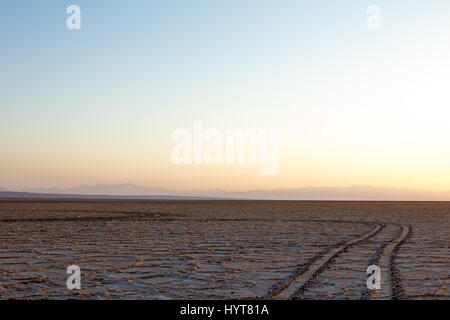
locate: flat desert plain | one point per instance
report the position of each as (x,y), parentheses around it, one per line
(224,249)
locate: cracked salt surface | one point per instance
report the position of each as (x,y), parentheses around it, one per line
(222,250)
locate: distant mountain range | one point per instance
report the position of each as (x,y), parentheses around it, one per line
(306,193)
(126,189)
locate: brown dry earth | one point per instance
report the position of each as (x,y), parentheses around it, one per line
(224,250)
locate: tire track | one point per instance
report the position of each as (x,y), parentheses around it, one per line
(390,283)
(297,283)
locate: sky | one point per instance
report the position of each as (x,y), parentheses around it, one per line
(352,106)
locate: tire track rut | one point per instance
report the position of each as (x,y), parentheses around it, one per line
(390,282)
(300,281)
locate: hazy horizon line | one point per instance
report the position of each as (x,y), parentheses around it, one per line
(129,184)
(353,192)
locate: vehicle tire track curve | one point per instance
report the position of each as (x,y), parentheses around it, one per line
(303,277)
(390,282)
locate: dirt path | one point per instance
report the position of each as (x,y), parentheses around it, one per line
(340,272)
(390,283)
(292,288)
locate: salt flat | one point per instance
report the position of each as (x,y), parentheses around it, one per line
(224,249)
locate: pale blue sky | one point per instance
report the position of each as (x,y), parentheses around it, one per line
(139,69)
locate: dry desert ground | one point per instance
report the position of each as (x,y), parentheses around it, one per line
(224,249)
